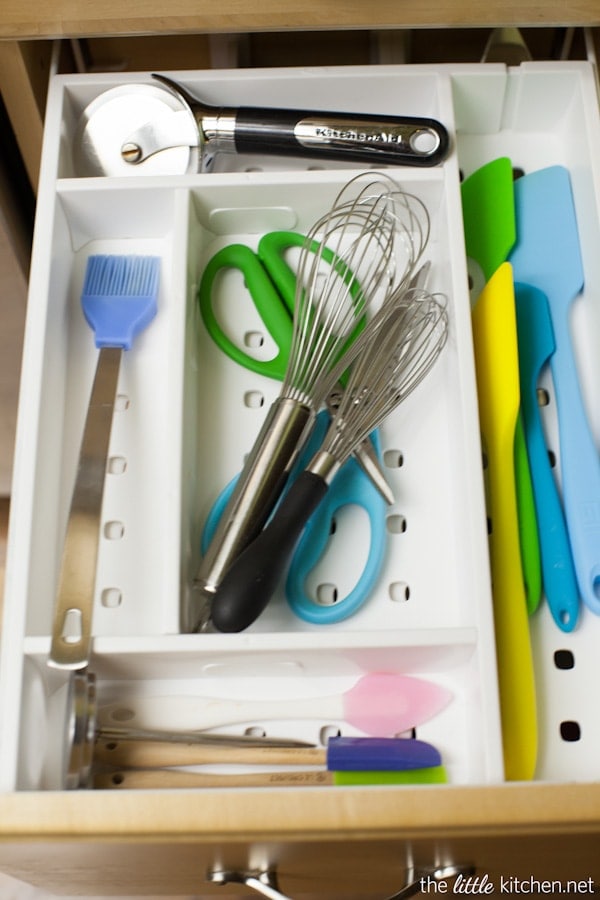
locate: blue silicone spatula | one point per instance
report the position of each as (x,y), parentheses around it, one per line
(548,256)
(119,299)
(536,346)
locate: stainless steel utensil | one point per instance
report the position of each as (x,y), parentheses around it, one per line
(70,754)
(72,625)
(209,738)
(353,264)
(397,350)
(150,128)
(119,299)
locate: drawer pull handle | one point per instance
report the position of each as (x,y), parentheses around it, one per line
(265,882)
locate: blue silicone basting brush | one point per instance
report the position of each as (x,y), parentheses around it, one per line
(119,299)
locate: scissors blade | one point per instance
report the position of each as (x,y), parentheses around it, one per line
(365,454)
(419,279)
(369,462)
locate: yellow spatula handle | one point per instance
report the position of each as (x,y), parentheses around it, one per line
(496,358)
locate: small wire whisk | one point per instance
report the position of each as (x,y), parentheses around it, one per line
(347,265)
(397,350)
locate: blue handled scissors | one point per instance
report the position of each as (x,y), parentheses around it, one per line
(271,283)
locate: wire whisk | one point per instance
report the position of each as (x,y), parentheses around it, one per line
(397,350)
(348,266)
(349,256)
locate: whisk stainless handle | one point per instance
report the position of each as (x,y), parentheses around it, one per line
(252,578)
(398,348)
(257,490)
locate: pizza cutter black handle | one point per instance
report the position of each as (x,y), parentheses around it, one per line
(373,139)
(363,138)
(249,583)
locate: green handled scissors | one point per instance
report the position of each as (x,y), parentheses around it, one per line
(271,283)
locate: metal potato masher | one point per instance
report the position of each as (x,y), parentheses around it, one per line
(160,128)
(73,730)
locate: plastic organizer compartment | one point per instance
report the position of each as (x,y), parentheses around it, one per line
(507,114)
(187,414)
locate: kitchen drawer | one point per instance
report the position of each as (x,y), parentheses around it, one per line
(180,406)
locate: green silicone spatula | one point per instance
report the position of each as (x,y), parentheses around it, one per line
(490,234)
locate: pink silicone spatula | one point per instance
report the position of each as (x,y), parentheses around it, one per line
(379,704)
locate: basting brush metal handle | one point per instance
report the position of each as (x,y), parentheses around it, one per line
(373,139)
(72,628)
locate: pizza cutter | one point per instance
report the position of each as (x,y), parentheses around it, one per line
(159,128)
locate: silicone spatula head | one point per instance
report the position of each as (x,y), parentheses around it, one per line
(386,704)
(497,363)
(119,297)
(380,754)
(547,253)
(489,215)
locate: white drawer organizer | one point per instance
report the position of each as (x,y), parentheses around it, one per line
(187,414)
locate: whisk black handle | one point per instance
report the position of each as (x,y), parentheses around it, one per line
(388,140)
(250,581)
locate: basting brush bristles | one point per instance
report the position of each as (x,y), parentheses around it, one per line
(119,297)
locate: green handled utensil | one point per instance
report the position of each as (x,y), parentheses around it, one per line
(490,234)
